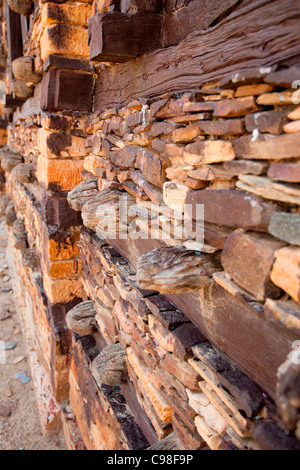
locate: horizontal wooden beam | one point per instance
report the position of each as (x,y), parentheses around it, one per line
(238,43)
(11,102)
(59,62)
(118,37)
(230,322)
(195,15)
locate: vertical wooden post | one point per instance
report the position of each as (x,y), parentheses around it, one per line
(14,38)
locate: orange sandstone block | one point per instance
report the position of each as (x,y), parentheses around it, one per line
(63,249)
(292,127)
(65,269)
(64,39)
(253,90)
(59,175)
(60,144)
(73,14)
(286,271)
(60,291)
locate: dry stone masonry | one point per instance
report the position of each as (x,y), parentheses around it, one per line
(177,327)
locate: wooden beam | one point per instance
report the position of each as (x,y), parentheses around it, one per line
(11,102)
(118,37)
(14,38)
(67,89)
(196,15)
(238,43)
(230,322)
(59,62)
(145,5)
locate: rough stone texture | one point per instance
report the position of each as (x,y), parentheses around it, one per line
(248,259)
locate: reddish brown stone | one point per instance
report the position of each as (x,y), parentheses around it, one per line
(267,147)
(171,109)
(245,167)
(248,259)
(152,168)
(186,134)
(226,127)
(162,128)
(236,108)
(197,107)
(271,122)
(289,172)
(232,209)
(292,127)
(195,184)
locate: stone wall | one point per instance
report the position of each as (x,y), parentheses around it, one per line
(145,336)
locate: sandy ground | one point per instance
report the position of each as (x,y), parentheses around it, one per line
(22,429)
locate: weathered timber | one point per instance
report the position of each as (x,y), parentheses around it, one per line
(21,90)
(82,193)
(54,61)
(81,318)
(24,173)
(230,322)
(23,70)
(14,37)
(30,258)
(109,367)
(9,160)
(118,37)
(22,7)
(105,213)
(175,269)
(195,15)
(178,67)
(10,214)
(67,89)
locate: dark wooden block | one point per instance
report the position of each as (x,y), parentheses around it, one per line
(186,336)
(158,303)
(11,102)
(56,211)
(67,90)
(118,37)
(54,61)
